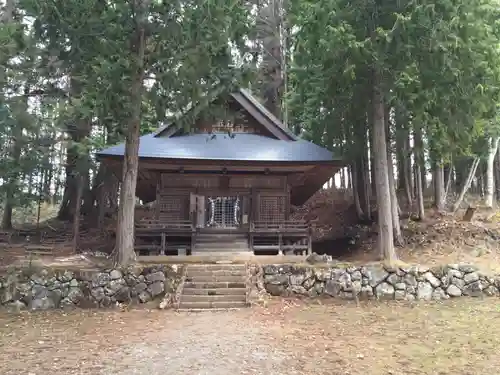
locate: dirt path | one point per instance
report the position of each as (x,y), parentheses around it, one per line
(138,342)
(285,338)
(202,343)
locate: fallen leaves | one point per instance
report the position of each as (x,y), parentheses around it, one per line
(331,212)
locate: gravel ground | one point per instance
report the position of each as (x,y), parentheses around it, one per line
(283,338)
(202,343)
(138,342)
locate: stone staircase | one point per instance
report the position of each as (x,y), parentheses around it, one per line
(214,286)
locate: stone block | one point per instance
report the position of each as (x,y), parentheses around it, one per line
(115,275)
(156,288)
(155,277)
(393,279)
(471,277)
(376,274)
(432,279)
(384,290)
(424,291)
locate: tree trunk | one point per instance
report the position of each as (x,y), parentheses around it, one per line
(91,195)
(7,214)
(398,235)
(466,185)
(438,179)
(125,225)
(79,132)
(57,187)
(13,175)
(76,218)
(403,154)
(355,193)
(6,17)
(362,169)
(400,153)
(408,169)
(423,173)
(418,172)
(371,163)
(448,184)
(496,169)
(386,239)
(342,178)
(490,171)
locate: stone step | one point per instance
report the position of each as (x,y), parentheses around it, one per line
(193,272)
(221,298)
(214,285)
(216,267)
(211,305)
(214,292)
(214,278)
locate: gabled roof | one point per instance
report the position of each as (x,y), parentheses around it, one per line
(284,146)
(249,103)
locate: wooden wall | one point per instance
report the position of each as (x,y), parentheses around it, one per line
(264,197)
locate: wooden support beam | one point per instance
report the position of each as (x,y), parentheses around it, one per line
(163,243)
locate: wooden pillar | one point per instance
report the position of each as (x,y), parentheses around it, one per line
(280,242)
(309,241)
(163,243)
(193,241)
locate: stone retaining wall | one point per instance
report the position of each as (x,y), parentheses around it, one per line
(45,289)
(379,282)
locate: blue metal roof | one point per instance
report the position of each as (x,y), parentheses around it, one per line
(238,147)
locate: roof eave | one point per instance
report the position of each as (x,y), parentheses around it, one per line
(337,161)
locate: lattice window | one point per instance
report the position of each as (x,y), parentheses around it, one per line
(224,212)
(174,207)
(272,208)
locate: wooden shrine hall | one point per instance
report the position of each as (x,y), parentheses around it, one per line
(226,185)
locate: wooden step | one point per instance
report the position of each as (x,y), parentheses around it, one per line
(222,244)
(221,298)
(219,251)
(223,254)
(212,305)
(220,238)
(214,292)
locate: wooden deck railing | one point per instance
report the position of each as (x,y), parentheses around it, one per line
(281,226)
(283,236)
(159,225)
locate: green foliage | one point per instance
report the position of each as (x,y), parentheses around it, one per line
(66,72)
(439,63)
